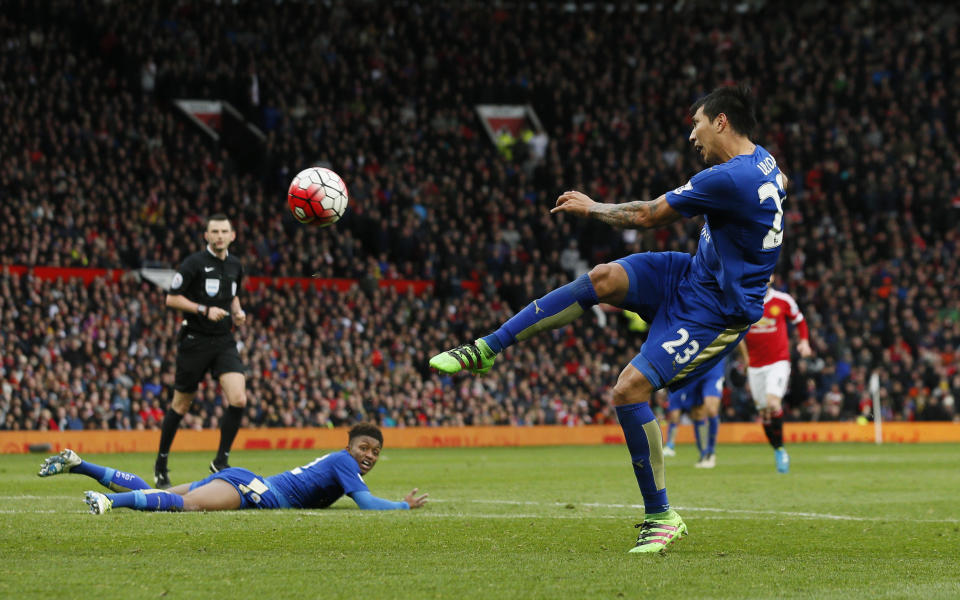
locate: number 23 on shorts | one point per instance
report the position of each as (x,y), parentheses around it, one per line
(682,346)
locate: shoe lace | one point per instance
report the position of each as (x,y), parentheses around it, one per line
(468,355)
(647,530)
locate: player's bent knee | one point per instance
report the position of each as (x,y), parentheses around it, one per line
(632,387)
(610,281)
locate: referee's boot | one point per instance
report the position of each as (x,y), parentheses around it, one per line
(216,465)
(161,478)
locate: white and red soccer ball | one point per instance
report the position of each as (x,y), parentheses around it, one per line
(317,196)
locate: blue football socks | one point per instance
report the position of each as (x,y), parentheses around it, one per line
(713,425)
(644,441)
(701,431)
(151,500)
(118,481)
(556,309)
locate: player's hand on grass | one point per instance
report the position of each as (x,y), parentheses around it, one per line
(575,203)
(239,317)
(215,313)
(415,501)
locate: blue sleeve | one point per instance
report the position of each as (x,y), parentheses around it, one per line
(367,501)
(347,472)
(707,192)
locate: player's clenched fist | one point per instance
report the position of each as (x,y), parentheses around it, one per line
(576,203)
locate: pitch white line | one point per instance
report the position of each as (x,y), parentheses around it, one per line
(726,511)
(722,513)
(26,497)
(890,459)
(427,514)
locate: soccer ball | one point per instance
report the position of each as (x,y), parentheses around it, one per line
(317,196)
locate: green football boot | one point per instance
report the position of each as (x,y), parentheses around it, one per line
(656,535)
(476,358)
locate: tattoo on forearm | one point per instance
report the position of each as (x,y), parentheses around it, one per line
(628,215)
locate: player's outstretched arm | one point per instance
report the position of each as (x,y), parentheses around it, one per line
(367,501)
(641,214)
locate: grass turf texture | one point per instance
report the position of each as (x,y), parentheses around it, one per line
(849,521)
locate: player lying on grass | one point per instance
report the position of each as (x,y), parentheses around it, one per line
(315,485)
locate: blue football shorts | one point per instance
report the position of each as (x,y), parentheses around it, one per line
(685,339)
(254,490)
(692,394)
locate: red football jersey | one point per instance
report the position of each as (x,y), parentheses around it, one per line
(767,340)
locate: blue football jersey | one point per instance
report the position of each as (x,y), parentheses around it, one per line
(742,203)
(321,482)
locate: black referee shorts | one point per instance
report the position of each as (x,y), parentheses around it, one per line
(197,354)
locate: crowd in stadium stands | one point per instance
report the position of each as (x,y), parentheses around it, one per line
(101,356)
(860,105)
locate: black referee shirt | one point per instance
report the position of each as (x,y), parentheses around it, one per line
(205,279)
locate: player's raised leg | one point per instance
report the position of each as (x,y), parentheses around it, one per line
(604,283)
(69,461)
(661,525)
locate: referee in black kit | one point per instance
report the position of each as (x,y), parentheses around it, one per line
(205,288)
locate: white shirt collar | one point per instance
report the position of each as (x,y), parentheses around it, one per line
(210,250)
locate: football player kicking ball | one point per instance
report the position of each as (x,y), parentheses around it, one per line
(766,352)
(699,307)
(701,399)
(315,485)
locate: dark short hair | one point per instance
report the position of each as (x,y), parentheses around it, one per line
(736,102)
(367,429)
(218,217)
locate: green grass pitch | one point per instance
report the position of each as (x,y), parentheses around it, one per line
(849,521)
